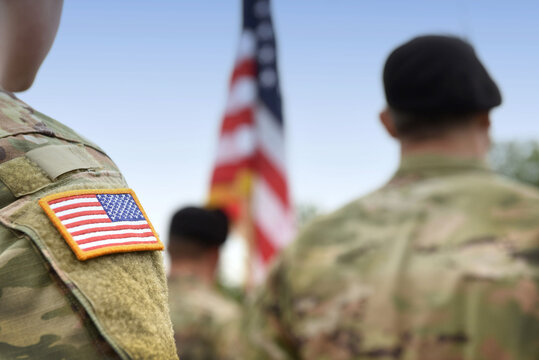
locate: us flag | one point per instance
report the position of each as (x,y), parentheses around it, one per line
(249,178)
(96,223)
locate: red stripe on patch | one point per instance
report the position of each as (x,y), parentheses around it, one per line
(116,244)
(110,228)
(110,237)
(86,222)
(52,202)
(74,206)
(82,213)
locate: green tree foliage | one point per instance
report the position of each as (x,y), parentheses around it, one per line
(518,160)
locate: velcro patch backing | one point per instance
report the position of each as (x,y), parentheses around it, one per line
(101,222)
(56,160)
(23,176)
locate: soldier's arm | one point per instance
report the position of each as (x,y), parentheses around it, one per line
(38,318)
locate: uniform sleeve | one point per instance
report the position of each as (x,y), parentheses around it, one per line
(36,318)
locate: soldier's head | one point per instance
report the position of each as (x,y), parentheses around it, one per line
(436,88)
(195,236)
(27,31)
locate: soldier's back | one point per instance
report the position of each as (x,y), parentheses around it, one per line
(441,263)
(205,322)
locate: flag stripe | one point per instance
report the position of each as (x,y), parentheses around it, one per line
(271,216)
(78,210)
(227,173)
(244,68)
(132,234)
(102,232)
(84,229)
(83,214)
(72,204)
(242,95)
(67,199)
(247,46)
(233,121)
(273,177)
(271,138)
(126,241)
(236,145)
(264,245)
(86,220)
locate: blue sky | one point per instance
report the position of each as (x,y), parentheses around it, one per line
(147,81)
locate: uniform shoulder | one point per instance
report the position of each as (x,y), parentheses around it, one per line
(351,214)
(40,149)
(475,193)
(192,301)
(487,196)
(510,185)
(487,183)
(330,236)
(466,206)
(19,119)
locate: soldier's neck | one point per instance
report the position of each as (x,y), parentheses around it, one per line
(201,271)
(470,145)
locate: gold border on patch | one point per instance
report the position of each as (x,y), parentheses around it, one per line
(106,246)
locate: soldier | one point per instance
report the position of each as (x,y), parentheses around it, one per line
(81,276)
(204,321)
(440,263)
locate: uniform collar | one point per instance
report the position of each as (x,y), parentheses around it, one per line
(437,165)
(188,281)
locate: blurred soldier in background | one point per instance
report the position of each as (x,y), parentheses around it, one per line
(74,281)
(205,322)
(440,263)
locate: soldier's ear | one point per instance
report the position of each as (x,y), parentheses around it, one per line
(483,119)
(388,122)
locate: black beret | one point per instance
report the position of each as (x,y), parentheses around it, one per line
(438,75)
(203,226)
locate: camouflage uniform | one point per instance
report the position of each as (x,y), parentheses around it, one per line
(442,263)
(205,322)
(53,306)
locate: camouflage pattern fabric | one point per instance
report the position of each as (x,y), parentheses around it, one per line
(205,323)
(442,263)
(53,306)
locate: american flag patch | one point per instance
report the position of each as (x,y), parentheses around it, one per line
(100,222)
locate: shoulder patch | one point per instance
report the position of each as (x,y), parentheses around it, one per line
(101,222)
